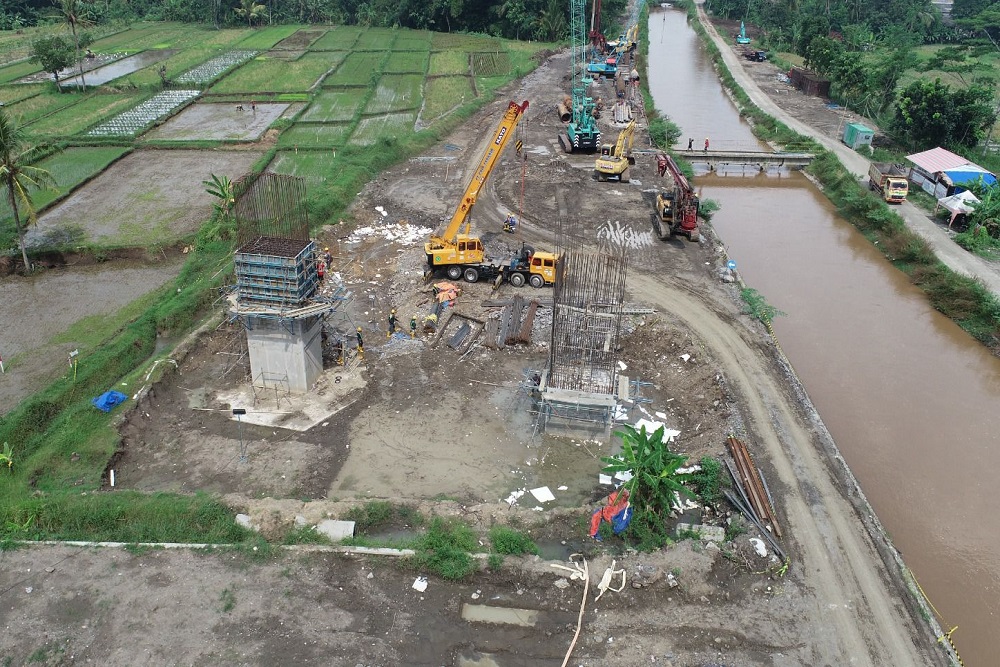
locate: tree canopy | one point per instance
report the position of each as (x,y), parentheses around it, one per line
(930,113)
(54,54)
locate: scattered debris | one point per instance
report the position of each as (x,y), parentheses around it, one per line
(542,494)
(604,585)
(420,584)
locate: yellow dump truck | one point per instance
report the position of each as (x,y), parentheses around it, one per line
(889,180)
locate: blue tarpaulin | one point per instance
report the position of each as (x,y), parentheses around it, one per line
(108,400)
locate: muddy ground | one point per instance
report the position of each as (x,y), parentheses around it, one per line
(144,195)
(453,434)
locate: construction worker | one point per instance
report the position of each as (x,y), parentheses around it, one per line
(361,344)
(510,224)
(327,257)
(392,323)
(413,326)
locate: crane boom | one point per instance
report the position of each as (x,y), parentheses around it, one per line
(461,215)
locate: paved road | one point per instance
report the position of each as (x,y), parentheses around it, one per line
(936,236)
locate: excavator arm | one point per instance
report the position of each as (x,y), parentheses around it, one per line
(500,138)
(625,138)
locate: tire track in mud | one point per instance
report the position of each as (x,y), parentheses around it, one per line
(850,584)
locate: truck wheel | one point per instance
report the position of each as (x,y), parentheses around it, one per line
(517,279)
(471,275)
(454,272)
(536,280)
(625,175)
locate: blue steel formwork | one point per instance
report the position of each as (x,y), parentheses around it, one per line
(276,273)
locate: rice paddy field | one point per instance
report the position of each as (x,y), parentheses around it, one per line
(351,87)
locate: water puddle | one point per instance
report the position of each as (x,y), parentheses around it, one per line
(120,68)
(481,613)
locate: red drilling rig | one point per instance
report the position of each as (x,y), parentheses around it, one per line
(676,210)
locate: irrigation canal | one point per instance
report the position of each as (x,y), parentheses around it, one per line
(910,398)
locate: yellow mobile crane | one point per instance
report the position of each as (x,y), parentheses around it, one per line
(461,255)
(615,160)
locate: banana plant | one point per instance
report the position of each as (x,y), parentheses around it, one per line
(655,482)
(7,456)
(221,188)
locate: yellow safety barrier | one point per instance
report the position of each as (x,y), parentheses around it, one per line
(946,636)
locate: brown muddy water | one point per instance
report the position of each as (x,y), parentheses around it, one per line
(910,398)
(35,310)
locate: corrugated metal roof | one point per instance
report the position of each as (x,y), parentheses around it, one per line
(937,159)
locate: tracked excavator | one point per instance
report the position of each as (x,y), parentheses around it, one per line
(677,209)
(460,255)
(615,159)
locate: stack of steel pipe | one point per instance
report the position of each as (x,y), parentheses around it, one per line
(751,485)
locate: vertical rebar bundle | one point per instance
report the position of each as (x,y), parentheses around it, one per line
(272,206)
(586,322)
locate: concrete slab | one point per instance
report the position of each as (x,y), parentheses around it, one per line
(336,389)
(335,530)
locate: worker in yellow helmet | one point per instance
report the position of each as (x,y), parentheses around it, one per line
(361,344)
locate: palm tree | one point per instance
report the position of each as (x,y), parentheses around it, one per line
(552,22)
(249,10)
(73,13)
(18,176)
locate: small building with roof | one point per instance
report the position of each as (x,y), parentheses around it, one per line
(941,173)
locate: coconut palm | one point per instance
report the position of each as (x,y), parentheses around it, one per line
(249,10)
(17,177)
(74,15)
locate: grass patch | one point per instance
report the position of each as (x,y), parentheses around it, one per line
(41,105)
(341,37)
(275,76)
(314,135)
(396,92)
(227,600)
(264,38)
(311,165)
(376,514)
(491,64)
(444,93)
(370,130)
(69,168)
(412,40)
(449,62)
(454,41)
(81,116)
(444,550)
(407,62)
(146,36)
(379,39)
(17,71)
(357,69)
(17,92)
(334,105)
(511,542)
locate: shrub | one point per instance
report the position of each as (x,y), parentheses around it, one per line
(509,541)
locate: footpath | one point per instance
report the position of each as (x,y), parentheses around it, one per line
(951,254)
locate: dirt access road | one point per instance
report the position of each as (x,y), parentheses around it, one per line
(837,604)
(809,116)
